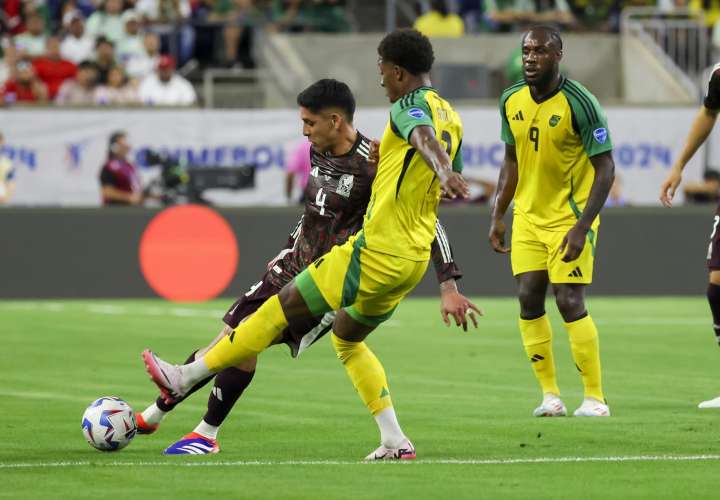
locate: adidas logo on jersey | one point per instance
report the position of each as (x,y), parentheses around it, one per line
(518,116)
(577,273)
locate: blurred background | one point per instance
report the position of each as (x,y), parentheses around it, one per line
(113,110)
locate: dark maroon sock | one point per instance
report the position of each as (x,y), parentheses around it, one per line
(229,385)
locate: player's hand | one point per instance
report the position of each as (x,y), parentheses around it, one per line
(573,243)
(497,237)
(670,185)
(453,185)
(456,305)
(374,156)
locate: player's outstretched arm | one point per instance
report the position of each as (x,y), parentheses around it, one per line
(699,132)
(452,302)
(574,240)
(423,140)
(507,183)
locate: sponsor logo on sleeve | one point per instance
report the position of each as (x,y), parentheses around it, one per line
(600,135)
(416,113)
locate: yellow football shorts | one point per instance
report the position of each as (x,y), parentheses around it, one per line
(537,249)
(367,284)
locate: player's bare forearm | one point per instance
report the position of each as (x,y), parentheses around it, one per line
(699,132)
(452,183)
(423,140)
(604,176)
(507,183)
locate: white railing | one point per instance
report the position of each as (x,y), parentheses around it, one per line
(677,38)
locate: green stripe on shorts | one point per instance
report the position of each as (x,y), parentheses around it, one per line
(352,276)
(368,320)
(311,294)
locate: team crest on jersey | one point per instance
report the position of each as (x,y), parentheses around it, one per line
(600,135)
(554,120)
(416,113)
(345,185)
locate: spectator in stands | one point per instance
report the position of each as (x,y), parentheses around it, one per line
(237,18)
(142,65)
(81,90)
(552,12)
(131,43)
(7,175)
(86,7)
(119,91)
(77,45)
(32,42)
(119,179)
(298,170)
(13,11)
(107,21)
(7,63)
(25,87)
(440,22)
(104,58)
(52,69)
(596,15)
(470,11)
(710,8)
(309,15)
(165,87)
(169,18)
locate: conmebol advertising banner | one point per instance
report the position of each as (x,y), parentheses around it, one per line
(58,153)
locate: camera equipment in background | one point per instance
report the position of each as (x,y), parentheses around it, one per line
(181,183)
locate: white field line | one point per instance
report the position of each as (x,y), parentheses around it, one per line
(116,310)
(449,461)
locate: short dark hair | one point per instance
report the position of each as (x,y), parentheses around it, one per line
(102,40)
(409,49)
(550,31)
(86,64)
(328,93)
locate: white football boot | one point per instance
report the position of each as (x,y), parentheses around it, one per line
(591,407)
(552,406)
(710,403)
(406,451)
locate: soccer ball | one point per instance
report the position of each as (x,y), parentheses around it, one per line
(108,424)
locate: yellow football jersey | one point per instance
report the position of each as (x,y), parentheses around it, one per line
(402,212)
(554,140)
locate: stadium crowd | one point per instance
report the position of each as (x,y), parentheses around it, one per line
(125,52)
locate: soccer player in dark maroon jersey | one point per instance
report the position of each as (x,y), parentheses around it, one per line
(699,132)
(337,195)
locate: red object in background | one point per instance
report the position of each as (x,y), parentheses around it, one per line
(12,92)
(53,73)
(188,253)
(13,9)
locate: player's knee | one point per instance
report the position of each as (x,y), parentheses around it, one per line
(532,303)
(248,365)
(344,348)
(571,305)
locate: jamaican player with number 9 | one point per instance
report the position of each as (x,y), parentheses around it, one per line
(558,169)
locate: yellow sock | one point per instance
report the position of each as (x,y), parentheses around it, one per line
(250,338)
(365,372)
(586,353)
(537,339)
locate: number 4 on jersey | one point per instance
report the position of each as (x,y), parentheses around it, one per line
(320,201)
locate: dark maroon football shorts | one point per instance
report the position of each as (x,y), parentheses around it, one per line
(297,336)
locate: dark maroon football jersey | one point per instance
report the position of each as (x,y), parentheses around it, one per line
(336,197)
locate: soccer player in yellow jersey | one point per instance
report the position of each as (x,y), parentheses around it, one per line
(365,278)
(558,169)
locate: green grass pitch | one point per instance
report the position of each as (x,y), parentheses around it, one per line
(465,399)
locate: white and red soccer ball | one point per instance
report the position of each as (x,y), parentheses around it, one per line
(108,424)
